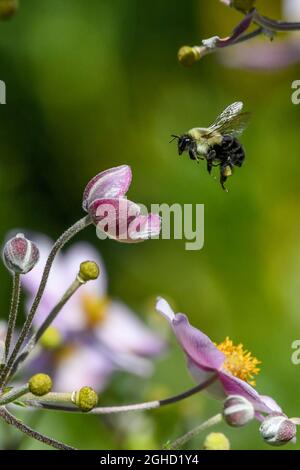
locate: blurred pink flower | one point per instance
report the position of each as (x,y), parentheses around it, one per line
(262,55)
(205,358)
(99,335)
(104,198)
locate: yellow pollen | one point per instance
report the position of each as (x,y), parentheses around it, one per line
(239,362)
(94,309)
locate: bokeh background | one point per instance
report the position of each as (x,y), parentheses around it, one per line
(96,84)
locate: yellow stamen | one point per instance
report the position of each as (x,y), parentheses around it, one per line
(94,309)
(239,362)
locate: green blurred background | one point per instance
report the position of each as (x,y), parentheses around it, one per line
(94,84)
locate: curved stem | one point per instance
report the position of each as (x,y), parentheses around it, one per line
(58,245)
(14,394)
(13,312)
(194,432)
(12,420)
(46,402)
(274,25)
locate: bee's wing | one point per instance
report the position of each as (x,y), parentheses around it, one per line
(231,121)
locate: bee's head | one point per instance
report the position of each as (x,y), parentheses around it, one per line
(183,142)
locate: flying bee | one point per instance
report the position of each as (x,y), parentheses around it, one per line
(218,143)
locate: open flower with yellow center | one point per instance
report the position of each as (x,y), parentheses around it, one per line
(233,366)
(94,335)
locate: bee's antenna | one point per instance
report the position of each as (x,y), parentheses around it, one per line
(174,137)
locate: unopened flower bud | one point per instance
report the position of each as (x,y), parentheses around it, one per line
(86,398)
(8,8)
(237,411)
(277,430)
(40,384)
(20,255)
(51,339)
(216,441)
(188,55)
(88,271)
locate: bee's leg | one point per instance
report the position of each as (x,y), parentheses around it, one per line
(225,171)
(193,155)
(223,179)
(209,159)
(209,166)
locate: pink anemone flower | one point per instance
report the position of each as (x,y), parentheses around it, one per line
(104,199)
(231,364)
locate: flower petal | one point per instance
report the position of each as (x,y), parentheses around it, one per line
(84,367)
(115,217)
(198,347)
(144,227)
(235,386)
(124,332)
(271,403)
(111,183)
(163,307)
(262,56)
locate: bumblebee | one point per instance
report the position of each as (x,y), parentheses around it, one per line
(218,144)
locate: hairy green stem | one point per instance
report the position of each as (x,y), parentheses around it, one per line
(51,398)
(13,313)
(13,421)
(58,245)
(194,432)
(46,402)
(13,395)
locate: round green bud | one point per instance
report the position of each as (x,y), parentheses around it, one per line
(88,271)
(86,398)
(40,384)
(216,441)
(188,55)
(51,339)
(8,8)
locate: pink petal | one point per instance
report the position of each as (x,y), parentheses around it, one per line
(200,375)
(163,307)
(198,347)
(84,367)
(111,183)
(271,403)
(123,331)
(262,55)
(114,217)
(144,227)
(234,386)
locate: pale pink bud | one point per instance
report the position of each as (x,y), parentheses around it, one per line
(20,255)
(277,430)
(237,411)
